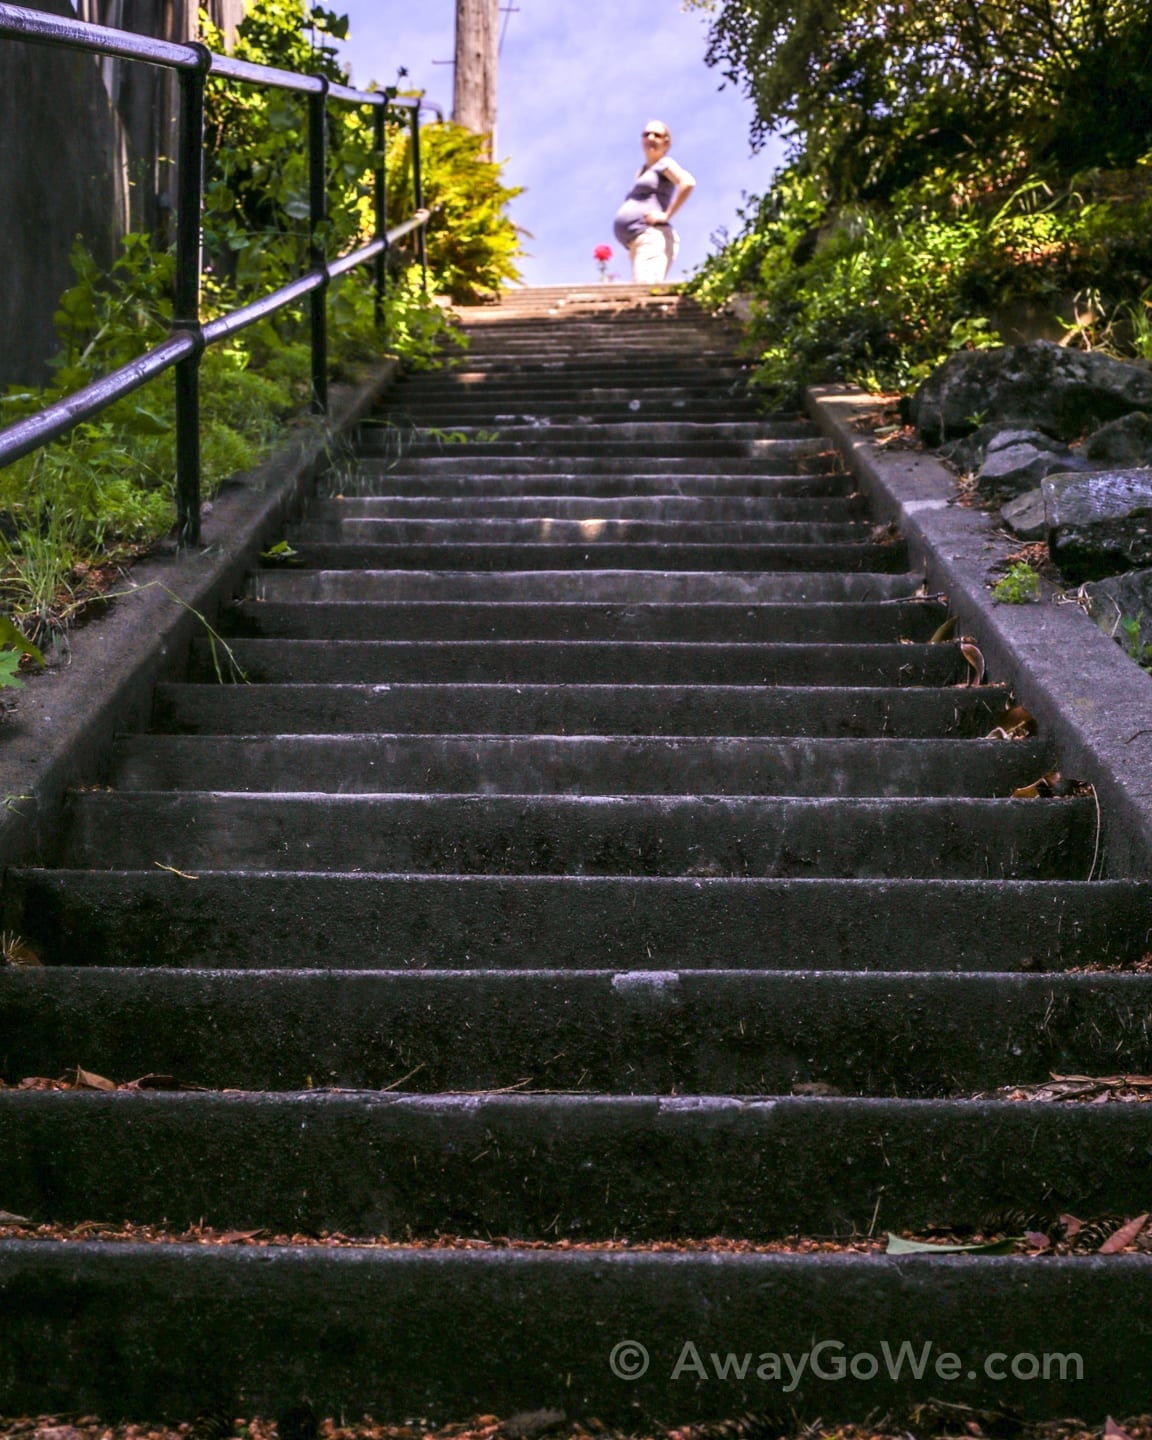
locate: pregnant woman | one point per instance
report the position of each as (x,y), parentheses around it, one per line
(644,222)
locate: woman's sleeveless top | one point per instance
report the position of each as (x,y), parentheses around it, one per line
(652,189)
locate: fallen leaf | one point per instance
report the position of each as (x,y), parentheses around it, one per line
(1112,1431)
(975,658)
(86,1080)
(1045,786)
(7,1218)
(899,1246)
(1124,1236)
(233,1237)
(945,632)
(15,951)
(1072,1225)
(1017,724)
(154,1082)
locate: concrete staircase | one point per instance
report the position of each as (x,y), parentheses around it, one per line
(597,787)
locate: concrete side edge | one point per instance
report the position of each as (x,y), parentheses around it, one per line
(1082,689)
(59,730)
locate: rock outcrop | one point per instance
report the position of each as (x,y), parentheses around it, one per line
(1041,385)
(1099,524)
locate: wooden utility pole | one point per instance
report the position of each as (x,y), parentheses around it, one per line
(477,52)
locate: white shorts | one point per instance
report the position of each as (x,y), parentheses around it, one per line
(653,253)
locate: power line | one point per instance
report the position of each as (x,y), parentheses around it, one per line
(507,11)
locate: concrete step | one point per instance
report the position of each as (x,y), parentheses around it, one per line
(549,1167)
(685,1032)
(465,462)
(451,417)
(698,836)
(587,800)
(568,586)
(310,709)
(534,1328)
(575,765)
(880,621)
(381,481)
(329,522)
(589,554)
(772,453)
(481,388)
(693,509)
(580,662)
(281,921)
(497,403)
(683,432)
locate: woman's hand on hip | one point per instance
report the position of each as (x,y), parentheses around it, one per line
(656,217)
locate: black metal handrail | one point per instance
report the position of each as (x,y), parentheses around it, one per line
(193,64)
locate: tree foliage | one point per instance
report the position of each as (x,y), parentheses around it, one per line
(877,92)
(957,170)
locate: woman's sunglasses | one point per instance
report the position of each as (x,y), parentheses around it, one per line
(653,135)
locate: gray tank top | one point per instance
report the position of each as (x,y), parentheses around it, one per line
(652,189)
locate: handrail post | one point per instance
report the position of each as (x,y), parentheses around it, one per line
(186,307)
(318,216)
(418,196)
(380,198)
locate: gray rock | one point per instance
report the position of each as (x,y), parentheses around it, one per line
(1099,524)
(1118,603)
(1026,515)
(969,452)
(1127,441)
(1017,468)
(1050,387)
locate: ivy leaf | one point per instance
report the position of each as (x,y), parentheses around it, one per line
(9,664)
(13,639)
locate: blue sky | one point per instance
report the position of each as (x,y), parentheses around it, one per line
(578,78)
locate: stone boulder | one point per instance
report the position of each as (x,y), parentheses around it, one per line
(1027,516)
(970,451)
(1099,524)
(1127,441)
(1123,604)
(1042,385)
(1016,468)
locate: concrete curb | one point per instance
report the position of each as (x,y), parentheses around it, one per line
(59,731)
(1083,690)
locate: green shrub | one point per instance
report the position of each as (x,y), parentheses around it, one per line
(880,294)
(1020,585)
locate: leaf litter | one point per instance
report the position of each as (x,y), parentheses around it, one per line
(933,1418)
(1003,1234)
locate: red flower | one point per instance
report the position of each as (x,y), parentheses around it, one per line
(603,253)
